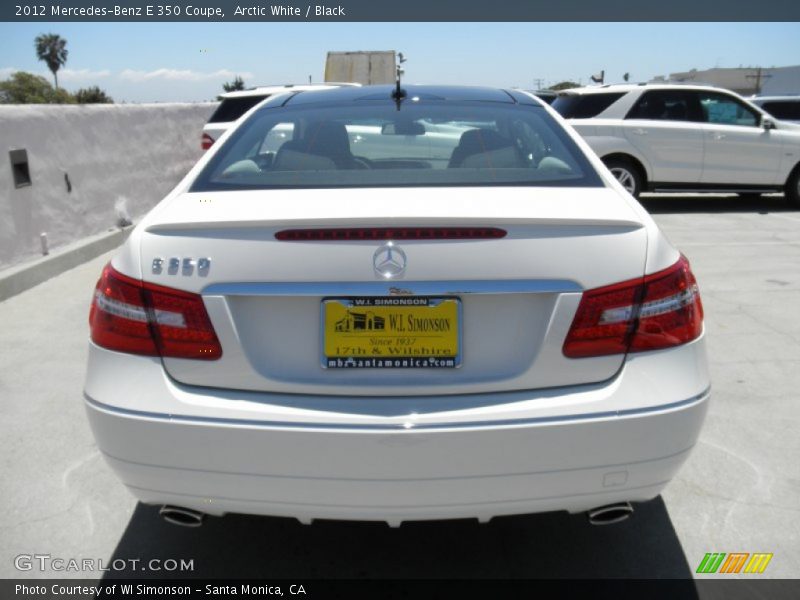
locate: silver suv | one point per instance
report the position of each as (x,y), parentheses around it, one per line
(667,137)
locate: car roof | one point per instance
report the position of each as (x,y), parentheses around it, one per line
(268,90)
(629,87)
(347,95)
(785,98)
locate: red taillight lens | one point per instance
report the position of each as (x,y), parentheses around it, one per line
(206,141)
(657,311)
(671,312)
(128,315)
(118,318)
(354,234)
(593,333)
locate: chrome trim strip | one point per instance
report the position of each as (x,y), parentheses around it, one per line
(398,426)
(393,288)
(722,190)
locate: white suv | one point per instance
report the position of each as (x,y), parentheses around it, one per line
(234,104)
(668,137)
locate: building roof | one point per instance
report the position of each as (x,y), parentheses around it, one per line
(745,80)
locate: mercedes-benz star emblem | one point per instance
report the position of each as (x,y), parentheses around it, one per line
(389,260)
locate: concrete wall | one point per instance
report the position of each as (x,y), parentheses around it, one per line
(740,80)
(120,160)
(745,80)
(781,81)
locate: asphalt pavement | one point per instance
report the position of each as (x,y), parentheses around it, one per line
(739,491)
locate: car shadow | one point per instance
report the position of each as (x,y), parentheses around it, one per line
(551,545)
(713,203)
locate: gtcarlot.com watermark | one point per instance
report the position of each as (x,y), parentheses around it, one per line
(47,562)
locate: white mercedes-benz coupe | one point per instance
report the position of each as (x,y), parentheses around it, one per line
(417,303)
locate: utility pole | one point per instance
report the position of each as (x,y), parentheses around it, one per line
(538,83)
(758,77)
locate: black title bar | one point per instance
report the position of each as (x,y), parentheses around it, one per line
(389,589)
(399,10)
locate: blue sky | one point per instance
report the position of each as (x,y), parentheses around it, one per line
(141,62)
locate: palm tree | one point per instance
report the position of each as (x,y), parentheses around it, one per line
(235,86)
(52,49)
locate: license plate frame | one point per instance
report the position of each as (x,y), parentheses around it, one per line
(406,305)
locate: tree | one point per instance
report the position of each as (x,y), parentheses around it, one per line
(27,88)
(235,86)
(92,95)
(564,85)
(52,49)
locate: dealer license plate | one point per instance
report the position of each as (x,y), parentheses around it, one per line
(391,332)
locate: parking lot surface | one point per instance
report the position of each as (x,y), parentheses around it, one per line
(739,492)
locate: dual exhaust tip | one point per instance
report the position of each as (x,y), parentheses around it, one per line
(185,517)
(610,514)
(603,515)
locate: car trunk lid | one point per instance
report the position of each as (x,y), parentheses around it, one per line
(515,296)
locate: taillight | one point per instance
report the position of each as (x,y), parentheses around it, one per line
(603,323)
(206,141)
(118,319)
(657,311)
(131,316)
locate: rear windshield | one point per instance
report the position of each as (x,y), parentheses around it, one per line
(372,144)
(585,106)
(783,109)
(232,108)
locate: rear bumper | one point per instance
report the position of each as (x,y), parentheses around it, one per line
(511,453)
(431,474)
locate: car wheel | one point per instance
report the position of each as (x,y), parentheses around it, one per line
(792,189)
(626,174)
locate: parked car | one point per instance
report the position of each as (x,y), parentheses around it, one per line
(786,108)
(667,137)
(463,314)
(548,96)
(234,104)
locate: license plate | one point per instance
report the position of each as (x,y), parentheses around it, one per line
(391,333)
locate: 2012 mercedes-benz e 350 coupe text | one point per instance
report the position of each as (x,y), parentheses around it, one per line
(371,305)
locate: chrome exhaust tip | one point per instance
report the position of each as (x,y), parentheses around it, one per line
(185,517)
(610,514)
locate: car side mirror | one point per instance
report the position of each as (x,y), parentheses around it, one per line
(767,123)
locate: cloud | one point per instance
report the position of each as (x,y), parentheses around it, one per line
(6,72)
(79,75)
(180,75)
